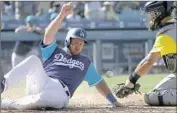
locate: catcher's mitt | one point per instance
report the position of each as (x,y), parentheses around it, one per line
(122,91)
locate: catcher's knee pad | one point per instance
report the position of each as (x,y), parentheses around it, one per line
(161,97)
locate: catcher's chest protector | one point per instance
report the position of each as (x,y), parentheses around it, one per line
(170,60)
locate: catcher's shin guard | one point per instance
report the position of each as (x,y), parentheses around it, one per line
(161,97)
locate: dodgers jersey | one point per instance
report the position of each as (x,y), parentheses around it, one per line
(71,70)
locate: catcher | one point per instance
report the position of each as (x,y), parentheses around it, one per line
(165,93)
(52,83)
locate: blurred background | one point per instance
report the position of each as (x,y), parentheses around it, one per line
(117,35)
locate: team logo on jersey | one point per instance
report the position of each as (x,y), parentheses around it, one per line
(61,60)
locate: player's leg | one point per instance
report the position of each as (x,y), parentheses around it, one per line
(52,93)
(53,96)
(20,71)
(36,81)
(57,91)
(20,104)
(165,93)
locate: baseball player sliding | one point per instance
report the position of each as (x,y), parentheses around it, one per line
(53,82)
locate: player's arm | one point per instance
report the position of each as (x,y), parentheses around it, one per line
(54,26)
(160,48)
(142,68)
(145,65)
(94,79)
(104,90)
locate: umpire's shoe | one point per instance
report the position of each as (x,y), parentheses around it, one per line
(2,85)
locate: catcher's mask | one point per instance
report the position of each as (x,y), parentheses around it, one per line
(155,12)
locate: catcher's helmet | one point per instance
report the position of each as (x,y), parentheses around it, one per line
(75,33)
(157,11)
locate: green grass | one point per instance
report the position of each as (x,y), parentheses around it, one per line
(147,82)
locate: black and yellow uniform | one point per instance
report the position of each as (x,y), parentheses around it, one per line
(165,93)
(159,17)
(165,43)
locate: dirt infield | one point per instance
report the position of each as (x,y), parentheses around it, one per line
(95,103)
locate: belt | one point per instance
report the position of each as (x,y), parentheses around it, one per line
(66,91)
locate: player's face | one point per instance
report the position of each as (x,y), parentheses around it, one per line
(150,18)
(76,46)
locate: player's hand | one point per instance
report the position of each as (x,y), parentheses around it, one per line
(67,9)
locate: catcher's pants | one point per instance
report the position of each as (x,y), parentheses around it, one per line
(165,93)
(16,59)
(41,90)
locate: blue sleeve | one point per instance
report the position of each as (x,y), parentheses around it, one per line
(48,50)
(92,76)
